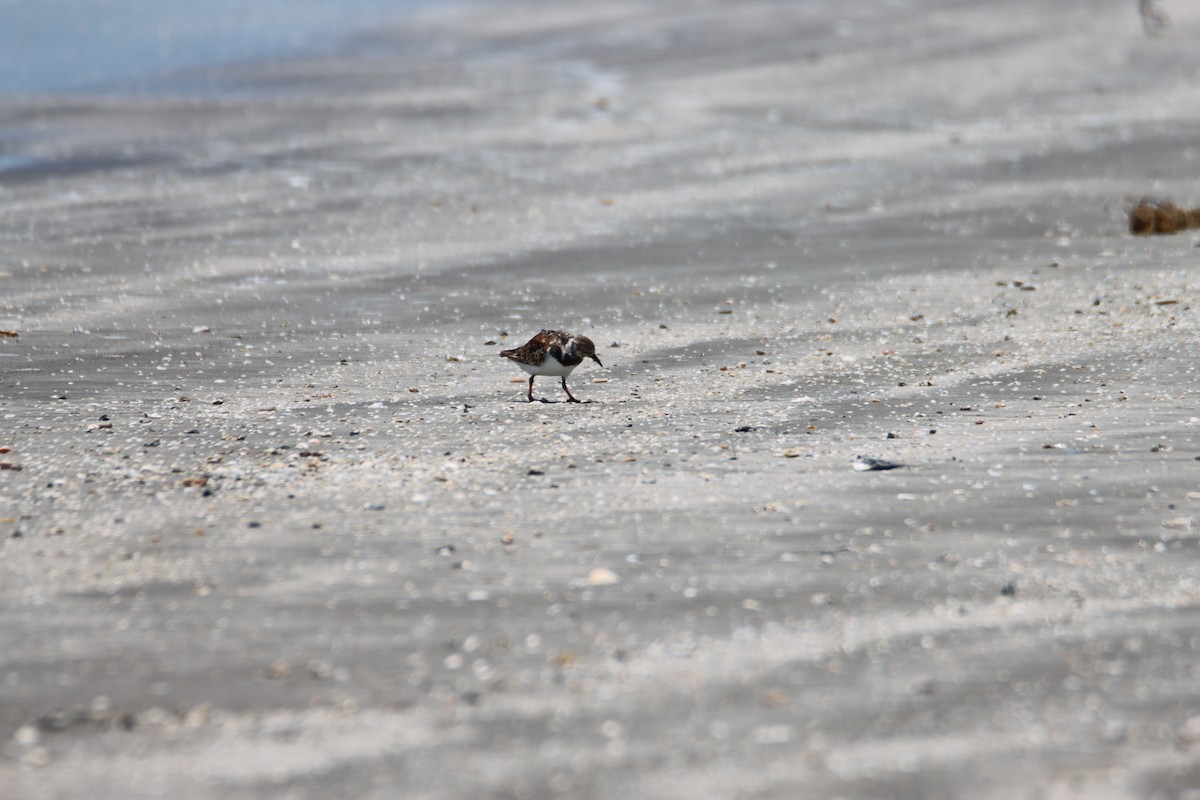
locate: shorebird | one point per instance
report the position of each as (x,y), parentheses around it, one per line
(552,353)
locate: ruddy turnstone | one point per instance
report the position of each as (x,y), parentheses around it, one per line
(552,353)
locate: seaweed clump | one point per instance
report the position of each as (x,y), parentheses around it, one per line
(1150,217)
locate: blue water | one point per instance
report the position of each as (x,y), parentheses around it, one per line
(61,46)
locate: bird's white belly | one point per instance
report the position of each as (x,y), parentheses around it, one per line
(549,366)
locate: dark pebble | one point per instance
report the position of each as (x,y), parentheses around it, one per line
(869,464)
(53,721)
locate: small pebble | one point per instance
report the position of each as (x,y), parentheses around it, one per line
(602,576)
(27,736)
(319,670)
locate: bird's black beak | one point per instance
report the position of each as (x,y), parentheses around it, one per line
(597,360)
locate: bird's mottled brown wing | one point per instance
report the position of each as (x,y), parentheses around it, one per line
(553,343)
(534,351)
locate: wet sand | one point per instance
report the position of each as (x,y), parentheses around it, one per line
(277,522)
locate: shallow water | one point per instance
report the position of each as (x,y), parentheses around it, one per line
(97,45)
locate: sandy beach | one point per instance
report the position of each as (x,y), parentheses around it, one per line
(277,522)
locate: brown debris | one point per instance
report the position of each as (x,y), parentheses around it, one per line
(10,334)
(278,670)
(564,658)
(1162,217)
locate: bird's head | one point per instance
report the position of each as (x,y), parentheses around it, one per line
(584,347)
